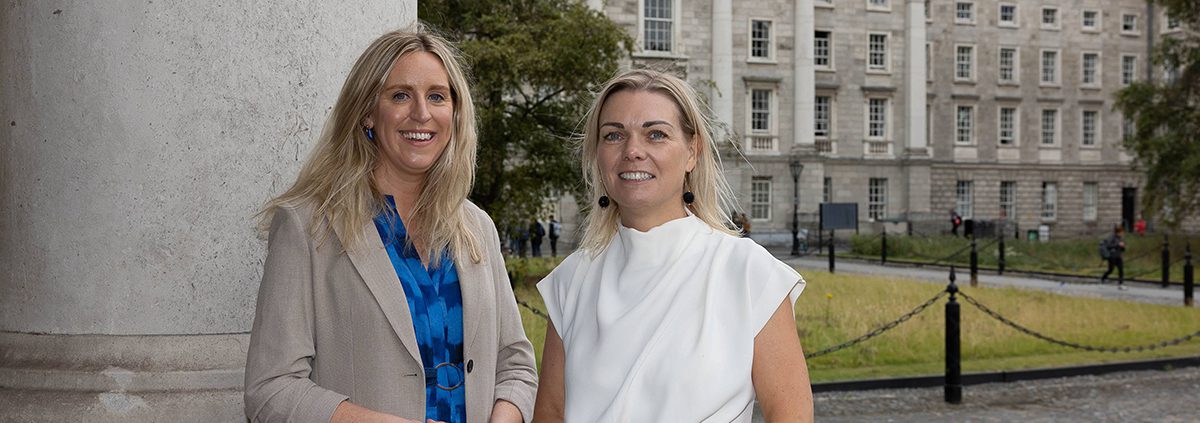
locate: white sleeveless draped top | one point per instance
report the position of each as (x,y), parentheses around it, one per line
(660,326)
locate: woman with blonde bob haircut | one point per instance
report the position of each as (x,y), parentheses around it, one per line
(665,313)
(384,295)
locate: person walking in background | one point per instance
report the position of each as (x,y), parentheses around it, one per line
(1139,226)
(955,222)
(555,229)
(1115,246)
(384,296)
(536,233)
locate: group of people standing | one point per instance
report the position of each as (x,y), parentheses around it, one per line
(518,237)
(384,295)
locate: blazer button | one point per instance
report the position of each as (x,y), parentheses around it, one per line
(470,365)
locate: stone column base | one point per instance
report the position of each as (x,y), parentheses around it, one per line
(111,378)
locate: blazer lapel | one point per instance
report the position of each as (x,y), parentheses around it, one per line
(371,260)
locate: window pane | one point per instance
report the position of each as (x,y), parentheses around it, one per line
(821,116)
(1049,126)
(1089,68)
(1008,199)
(1089,126)
(760,39)
(1049,200)
(877,118)
(877,199)
(1008,64)
(963,59)
(877,59)
(1050,67)
(965,122)
(760,197)
(964,195)
(1008,125)
(1090,193)
(657,24)
(821,45)
(760,110)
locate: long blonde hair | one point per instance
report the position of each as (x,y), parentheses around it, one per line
(706,182)
(337,177)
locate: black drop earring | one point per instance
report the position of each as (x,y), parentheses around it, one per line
(603,201)
(688,197)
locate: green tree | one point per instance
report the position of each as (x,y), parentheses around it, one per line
(1166,117)
(535,64)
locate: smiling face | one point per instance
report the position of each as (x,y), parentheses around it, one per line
(643,156)
(413,119)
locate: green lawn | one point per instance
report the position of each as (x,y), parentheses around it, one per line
(835,308)
(1143,255)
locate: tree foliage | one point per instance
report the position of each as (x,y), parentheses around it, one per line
(535,64)
(1165,112)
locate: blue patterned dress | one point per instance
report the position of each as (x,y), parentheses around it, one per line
(435,301)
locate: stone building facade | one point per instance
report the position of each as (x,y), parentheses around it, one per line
(1000,110)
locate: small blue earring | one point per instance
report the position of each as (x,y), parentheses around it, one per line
(370,134)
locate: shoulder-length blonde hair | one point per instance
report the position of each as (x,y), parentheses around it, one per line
(337,181)
(706,181)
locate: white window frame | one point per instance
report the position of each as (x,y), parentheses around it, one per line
(829,51)
(1056,134)
(1015,129)
(1137,28)
(675,31)
(1057,82)
(1049,200)
(970,124)
(887,119)
(1016,65)
(1128,76)
(829,122)
(887,52)
(970,65)
(750,57)
(772,110)
(970,20)
(877,199)
(1128,128)
(1008,199)
(1097,129)
(964,198)
(1170,25)
(885,7)
(1097,77)
(1057,25)
(757,202)
(1096,24)
(1091,201)
(1015,22)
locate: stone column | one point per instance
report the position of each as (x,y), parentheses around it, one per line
(805,91)
(722,64)
(138,141)
(918,154)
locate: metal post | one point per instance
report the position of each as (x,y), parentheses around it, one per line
(1166,262)
(953,357)
(831,251)
(795,219)
(974,263)
(883,250)
(1188,283)
(1000,262)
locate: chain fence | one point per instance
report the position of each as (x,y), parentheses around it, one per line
(534,310)
(879,330)
(1137,348)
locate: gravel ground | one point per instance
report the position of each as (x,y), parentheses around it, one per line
(1145,396)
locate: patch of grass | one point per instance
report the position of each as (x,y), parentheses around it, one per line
(835,308)
(1143,255)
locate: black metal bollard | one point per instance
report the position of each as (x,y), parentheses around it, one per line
(883,250)
(953,346)
(974,263)
(830,251)
(1000,261)
(1166,262)
(1188,283)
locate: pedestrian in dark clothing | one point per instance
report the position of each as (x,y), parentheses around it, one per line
(1115,245)
(555,229)
(536,232)
(955,222)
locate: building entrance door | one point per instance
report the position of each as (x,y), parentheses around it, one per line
(1128,205)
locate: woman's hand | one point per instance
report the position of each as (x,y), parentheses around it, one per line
(348,412)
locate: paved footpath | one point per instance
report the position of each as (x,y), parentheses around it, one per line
(1144,396)
(1139,292)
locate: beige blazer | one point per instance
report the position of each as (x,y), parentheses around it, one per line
(333,325)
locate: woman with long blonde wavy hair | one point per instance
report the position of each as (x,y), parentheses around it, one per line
(665,313)
(384,295)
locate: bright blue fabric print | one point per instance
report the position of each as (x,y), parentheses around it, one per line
(435,301)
